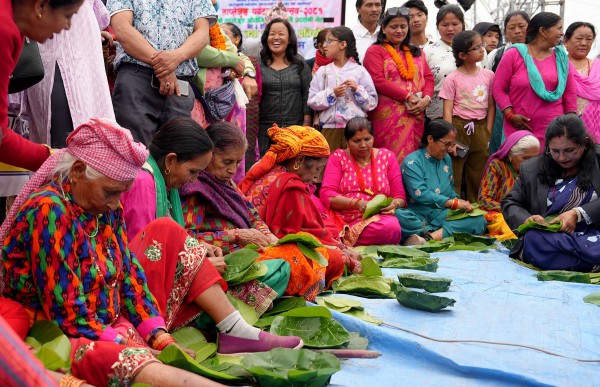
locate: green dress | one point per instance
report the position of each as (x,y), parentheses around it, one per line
(429,184)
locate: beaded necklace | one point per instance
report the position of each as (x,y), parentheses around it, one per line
(360,177)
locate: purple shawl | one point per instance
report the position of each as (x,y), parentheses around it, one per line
(588,87)
(511,140)
(223,198)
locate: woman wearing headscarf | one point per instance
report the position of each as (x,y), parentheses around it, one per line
(500,174)
(67,259)
(278,186)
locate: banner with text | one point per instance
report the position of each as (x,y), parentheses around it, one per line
(307,16)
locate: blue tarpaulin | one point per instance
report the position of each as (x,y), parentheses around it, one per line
(496,300)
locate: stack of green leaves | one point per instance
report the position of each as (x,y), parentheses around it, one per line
(375,205)
(398,257)
(530,225)
(423,301)
(369,287)
(429,284)
(50,345)
(569,276)
(307,245)
(466,241)
(461,214)
(347,306)
(280,306)
(242,266)
(288,367)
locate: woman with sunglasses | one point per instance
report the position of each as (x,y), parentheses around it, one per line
(563,182)
(428,179)
(404,85)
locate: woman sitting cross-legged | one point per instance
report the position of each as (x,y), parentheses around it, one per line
(427,175)
(278,186)
(563,181)
(67,259)
(501,172)
(180,273)
(353,177)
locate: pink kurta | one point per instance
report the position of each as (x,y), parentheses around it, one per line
(393,127)
(512,88)
(78,53)
(340,179)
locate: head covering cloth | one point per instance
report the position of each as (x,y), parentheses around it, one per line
(504,150)
(101,144)
(289,142)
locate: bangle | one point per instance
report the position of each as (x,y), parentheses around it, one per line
(454,204)
(236,235)
(356,203)
(162,341)
(70,381)
(509,114)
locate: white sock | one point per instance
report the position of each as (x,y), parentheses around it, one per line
(235,325)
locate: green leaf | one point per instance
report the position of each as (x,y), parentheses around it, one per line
(423,301)
(230,365)
(192,338)
(357,342)
(467,239)
(264,322)
(313,254)
(461,214)
(307,240)
(375,205)
(529,225)
(33,343)
(393,251)
(284,304)
(316,332)
(424,264)
(342,302)
(53,346)
(564,276)
(308,311)
(370,268)
(362,315)
(282,367)
(252,246)
(592,298)
(238,264)
(430,284)
(341,309)
(256,271)
(433,246)
(248,313)
(364,286)
(174,356)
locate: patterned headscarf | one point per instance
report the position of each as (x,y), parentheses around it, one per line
(278,11)
(288,143)
(101,144)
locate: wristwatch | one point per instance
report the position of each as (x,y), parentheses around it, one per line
(250,73)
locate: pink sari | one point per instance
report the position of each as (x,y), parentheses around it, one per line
(393,127)
(588,90)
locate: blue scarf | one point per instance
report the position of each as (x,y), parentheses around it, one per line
(535,79)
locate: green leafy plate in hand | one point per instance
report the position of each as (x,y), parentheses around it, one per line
(316,332)
(529,225)
(50,345)
(292,367)
(307,240)
(461,214)
(375,205)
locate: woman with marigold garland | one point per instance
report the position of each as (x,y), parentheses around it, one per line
(404,84)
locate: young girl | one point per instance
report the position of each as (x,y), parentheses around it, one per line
(341,90)
(469,106)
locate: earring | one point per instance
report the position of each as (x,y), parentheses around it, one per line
(296,167)
(167,171)
(39,15)
(544,36)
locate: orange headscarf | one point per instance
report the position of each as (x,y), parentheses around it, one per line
(289,143)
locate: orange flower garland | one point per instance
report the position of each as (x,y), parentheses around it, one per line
(217,40)
(405,73)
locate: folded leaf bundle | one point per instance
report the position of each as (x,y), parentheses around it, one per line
(461,214)
(316,332)
(422,301)
(375,287)
(347,306)
(433,246)
(50,345)
(243,267)
(423,264)
(429,284)
(289,367)
(394,251)
(530,225)
(375,205)
(564,276)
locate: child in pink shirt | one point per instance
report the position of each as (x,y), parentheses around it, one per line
(470,107)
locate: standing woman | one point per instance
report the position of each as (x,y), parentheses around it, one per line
(450,20)
(533,83)
(39,21)
(404,85)
(579,39)
(284,79)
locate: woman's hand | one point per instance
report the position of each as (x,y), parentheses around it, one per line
(536,218)
(361,205)
(353,254)
(272,239)
(465,205)
(211,250)
(219,264)
(418,106)
(107,38)
(391,209)
(351,84)
(569,221)
(521,122)
(340,90)
(246,236)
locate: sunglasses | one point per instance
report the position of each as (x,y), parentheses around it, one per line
(395,11)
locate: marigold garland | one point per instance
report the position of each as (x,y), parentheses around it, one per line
(217,40)
(409,73)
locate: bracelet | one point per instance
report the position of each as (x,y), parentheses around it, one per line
(455,204)
(236,235)
(70,381)
(161,341)
(164,343)
(509,114)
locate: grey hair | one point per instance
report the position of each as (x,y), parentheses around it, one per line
(66,162)
(524,144)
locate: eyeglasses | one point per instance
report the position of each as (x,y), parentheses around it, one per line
(448,145)
(568,153)
(329,41)
(477,48)
(402,11)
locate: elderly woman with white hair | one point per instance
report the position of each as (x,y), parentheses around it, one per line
(500,173)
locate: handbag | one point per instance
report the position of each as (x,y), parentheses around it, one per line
(29,69)
(218,103)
